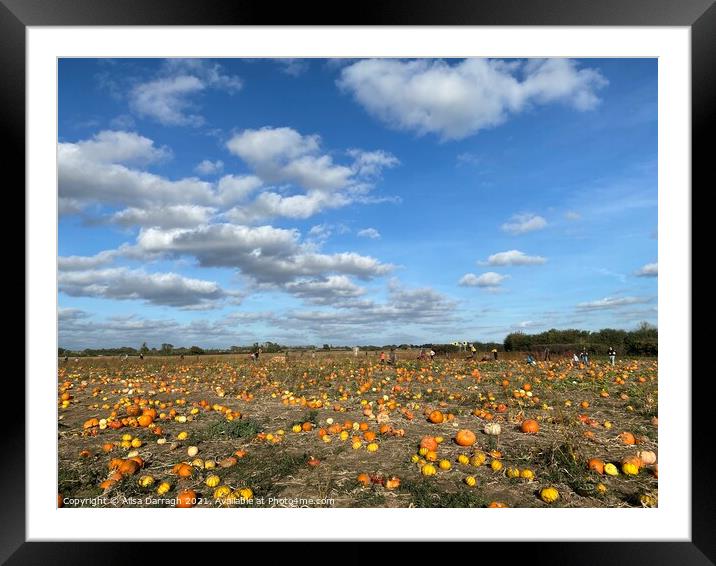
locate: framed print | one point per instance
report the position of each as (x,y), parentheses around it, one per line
(360,281)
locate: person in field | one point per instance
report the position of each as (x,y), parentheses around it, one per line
(421,355)
(473,350)
(494,354)
(575,360)
(382,357)
(432,354)
(612,355)
(392,357)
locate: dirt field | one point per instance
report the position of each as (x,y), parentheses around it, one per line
(240,416)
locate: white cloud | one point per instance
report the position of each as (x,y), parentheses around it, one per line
(79,263)
(168,98)
(284,156)
(490,280)
(65,314)
(326,291)
(371,233)
(455,101)
(523,223)
(236,188)
(96,171)
(514,257)
(648,270)
(116,146)
(208,167)
(210,73)
(371,163)
(263,253)
(177,216)
(270,204)
(572,215)
(120,283)
(612,303)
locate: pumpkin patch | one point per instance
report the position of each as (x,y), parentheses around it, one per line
(223,431)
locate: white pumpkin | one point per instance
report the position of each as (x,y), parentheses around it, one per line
(492,429)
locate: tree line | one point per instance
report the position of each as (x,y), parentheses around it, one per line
(640,342)
(644,341)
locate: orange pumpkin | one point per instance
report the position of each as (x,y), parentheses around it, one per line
(186,498)
(183,470)
(145,420)
(106,484)
(436,417)
(369,435)
(364,479)
(465,437)
(429,442)
(497,505)
(596,465)
(530,426)
(627,438)
(129,468)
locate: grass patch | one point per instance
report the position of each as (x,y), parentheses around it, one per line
(426,493)
(232,429)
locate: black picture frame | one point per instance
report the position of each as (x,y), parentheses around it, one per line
(699,15)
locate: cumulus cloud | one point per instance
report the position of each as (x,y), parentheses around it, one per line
(168,99)
(207,167)
(489,280)
(236,188)
(403,306)
(166,289)
(177,216)
(325,291)
(612,303)
(96,171)
(371,233)
(65,314)
(80,263)
(523,223)
(263,253)
(132,330)
(455,101)
(117,146)
(270,204)
(648,270)
(514,257)
(341,319)
(284,156)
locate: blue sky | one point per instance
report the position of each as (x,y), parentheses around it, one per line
(224,202)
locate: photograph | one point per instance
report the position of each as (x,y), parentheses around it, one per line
(357,282)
